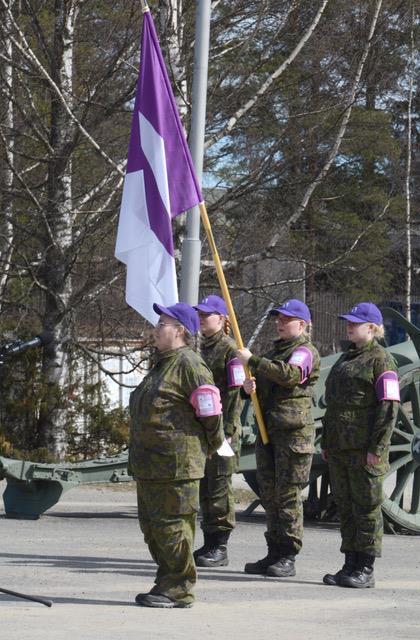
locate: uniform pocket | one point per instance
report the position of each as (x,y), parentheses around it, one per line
(169,499)
(165,454)
(302,445)
(300,467)
(289,417)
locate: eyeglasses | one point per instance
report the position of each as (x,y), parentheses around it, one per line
(284,319)
(166,324)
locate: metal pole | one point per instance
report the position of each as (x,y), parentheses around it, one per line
(191,246)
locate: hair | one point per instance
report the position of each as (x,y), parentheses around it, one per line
(190,339)
(378,330)
(227,327)
(307,332)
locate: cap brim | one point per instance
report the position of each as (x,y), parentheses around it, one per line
(159,309)
(204,308)
(351,318)
(284,312)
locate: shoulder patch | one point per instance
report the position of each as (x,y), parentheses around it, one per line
(235,373)
(206,401)
(387,387)
(302,357)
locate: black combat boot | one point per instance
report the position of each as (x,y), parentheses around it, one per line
(283,568)
(362,576)
(208,543)
(216,553)
(159,601)
(350,561)
(260,566)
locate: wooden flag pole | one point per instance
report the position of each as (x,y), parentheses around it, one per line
(232,317)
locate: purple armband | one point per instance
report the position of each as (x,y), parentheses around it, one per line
(235,373)
(302,357)
(206,401)
(387,387)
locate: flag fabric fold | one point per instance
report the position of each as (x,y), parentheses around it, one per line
(160,183)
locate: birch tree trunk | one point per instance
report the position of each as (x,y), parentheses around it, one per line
(6,132)
(408,264)
(58,236)
(171,28)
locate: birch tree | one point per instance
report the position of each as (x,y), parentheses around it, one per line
(6,132)
(63,207)
(408,229)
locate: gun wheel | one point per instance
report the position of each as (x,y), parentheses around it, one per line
(401,507)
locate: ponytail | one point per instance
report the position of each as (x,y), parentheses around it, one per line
(378,331)
(307,332)
(190,339)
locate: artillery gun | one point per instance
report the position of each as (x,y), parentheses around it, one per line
(32,488)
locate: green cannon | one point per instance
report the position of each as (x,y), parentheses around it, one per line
(33,488)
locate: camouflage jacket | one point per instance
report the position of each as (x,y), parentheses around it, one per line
(167,440)
(285,401)
(217,351)
(354,418)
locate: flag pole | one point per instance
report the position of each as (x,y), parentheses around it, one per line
(232,316)
(191,244)
(144,6)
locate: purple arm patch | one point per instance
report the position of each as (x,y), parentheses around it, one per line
(302,357)
(387,387)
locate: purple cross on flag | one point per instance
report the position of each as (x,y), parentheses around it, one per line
(160,183)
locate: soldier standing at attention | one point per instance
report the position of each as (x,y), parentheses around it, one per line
(284,381)
(362,396)
(216,492)
(176,423)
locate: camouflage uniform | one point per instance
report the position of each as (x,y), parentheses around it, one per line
(216,491)
(284,464)
(354,424)
(168,450)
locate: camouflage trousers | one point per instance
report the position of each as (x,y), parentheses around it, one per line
(167,516)
(358,494)
(216,495)
(281,475)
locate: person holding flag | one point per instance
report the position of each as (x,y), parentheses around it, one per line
(176,423)
(284,380)
(217,503)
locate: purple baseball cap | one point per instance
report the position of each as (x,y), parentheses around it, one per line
(293,308)
(182,312)
(212,304)
(364,312)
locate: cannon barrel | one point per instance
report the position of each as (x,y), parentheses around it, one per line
(32,488)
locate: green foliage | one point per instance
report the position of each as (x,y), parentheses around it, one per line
(94,428)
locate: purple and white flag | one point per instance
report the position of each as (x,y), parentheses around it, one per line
(160,183)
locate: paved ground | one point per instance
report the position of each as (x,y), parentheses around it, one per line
(87,556)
